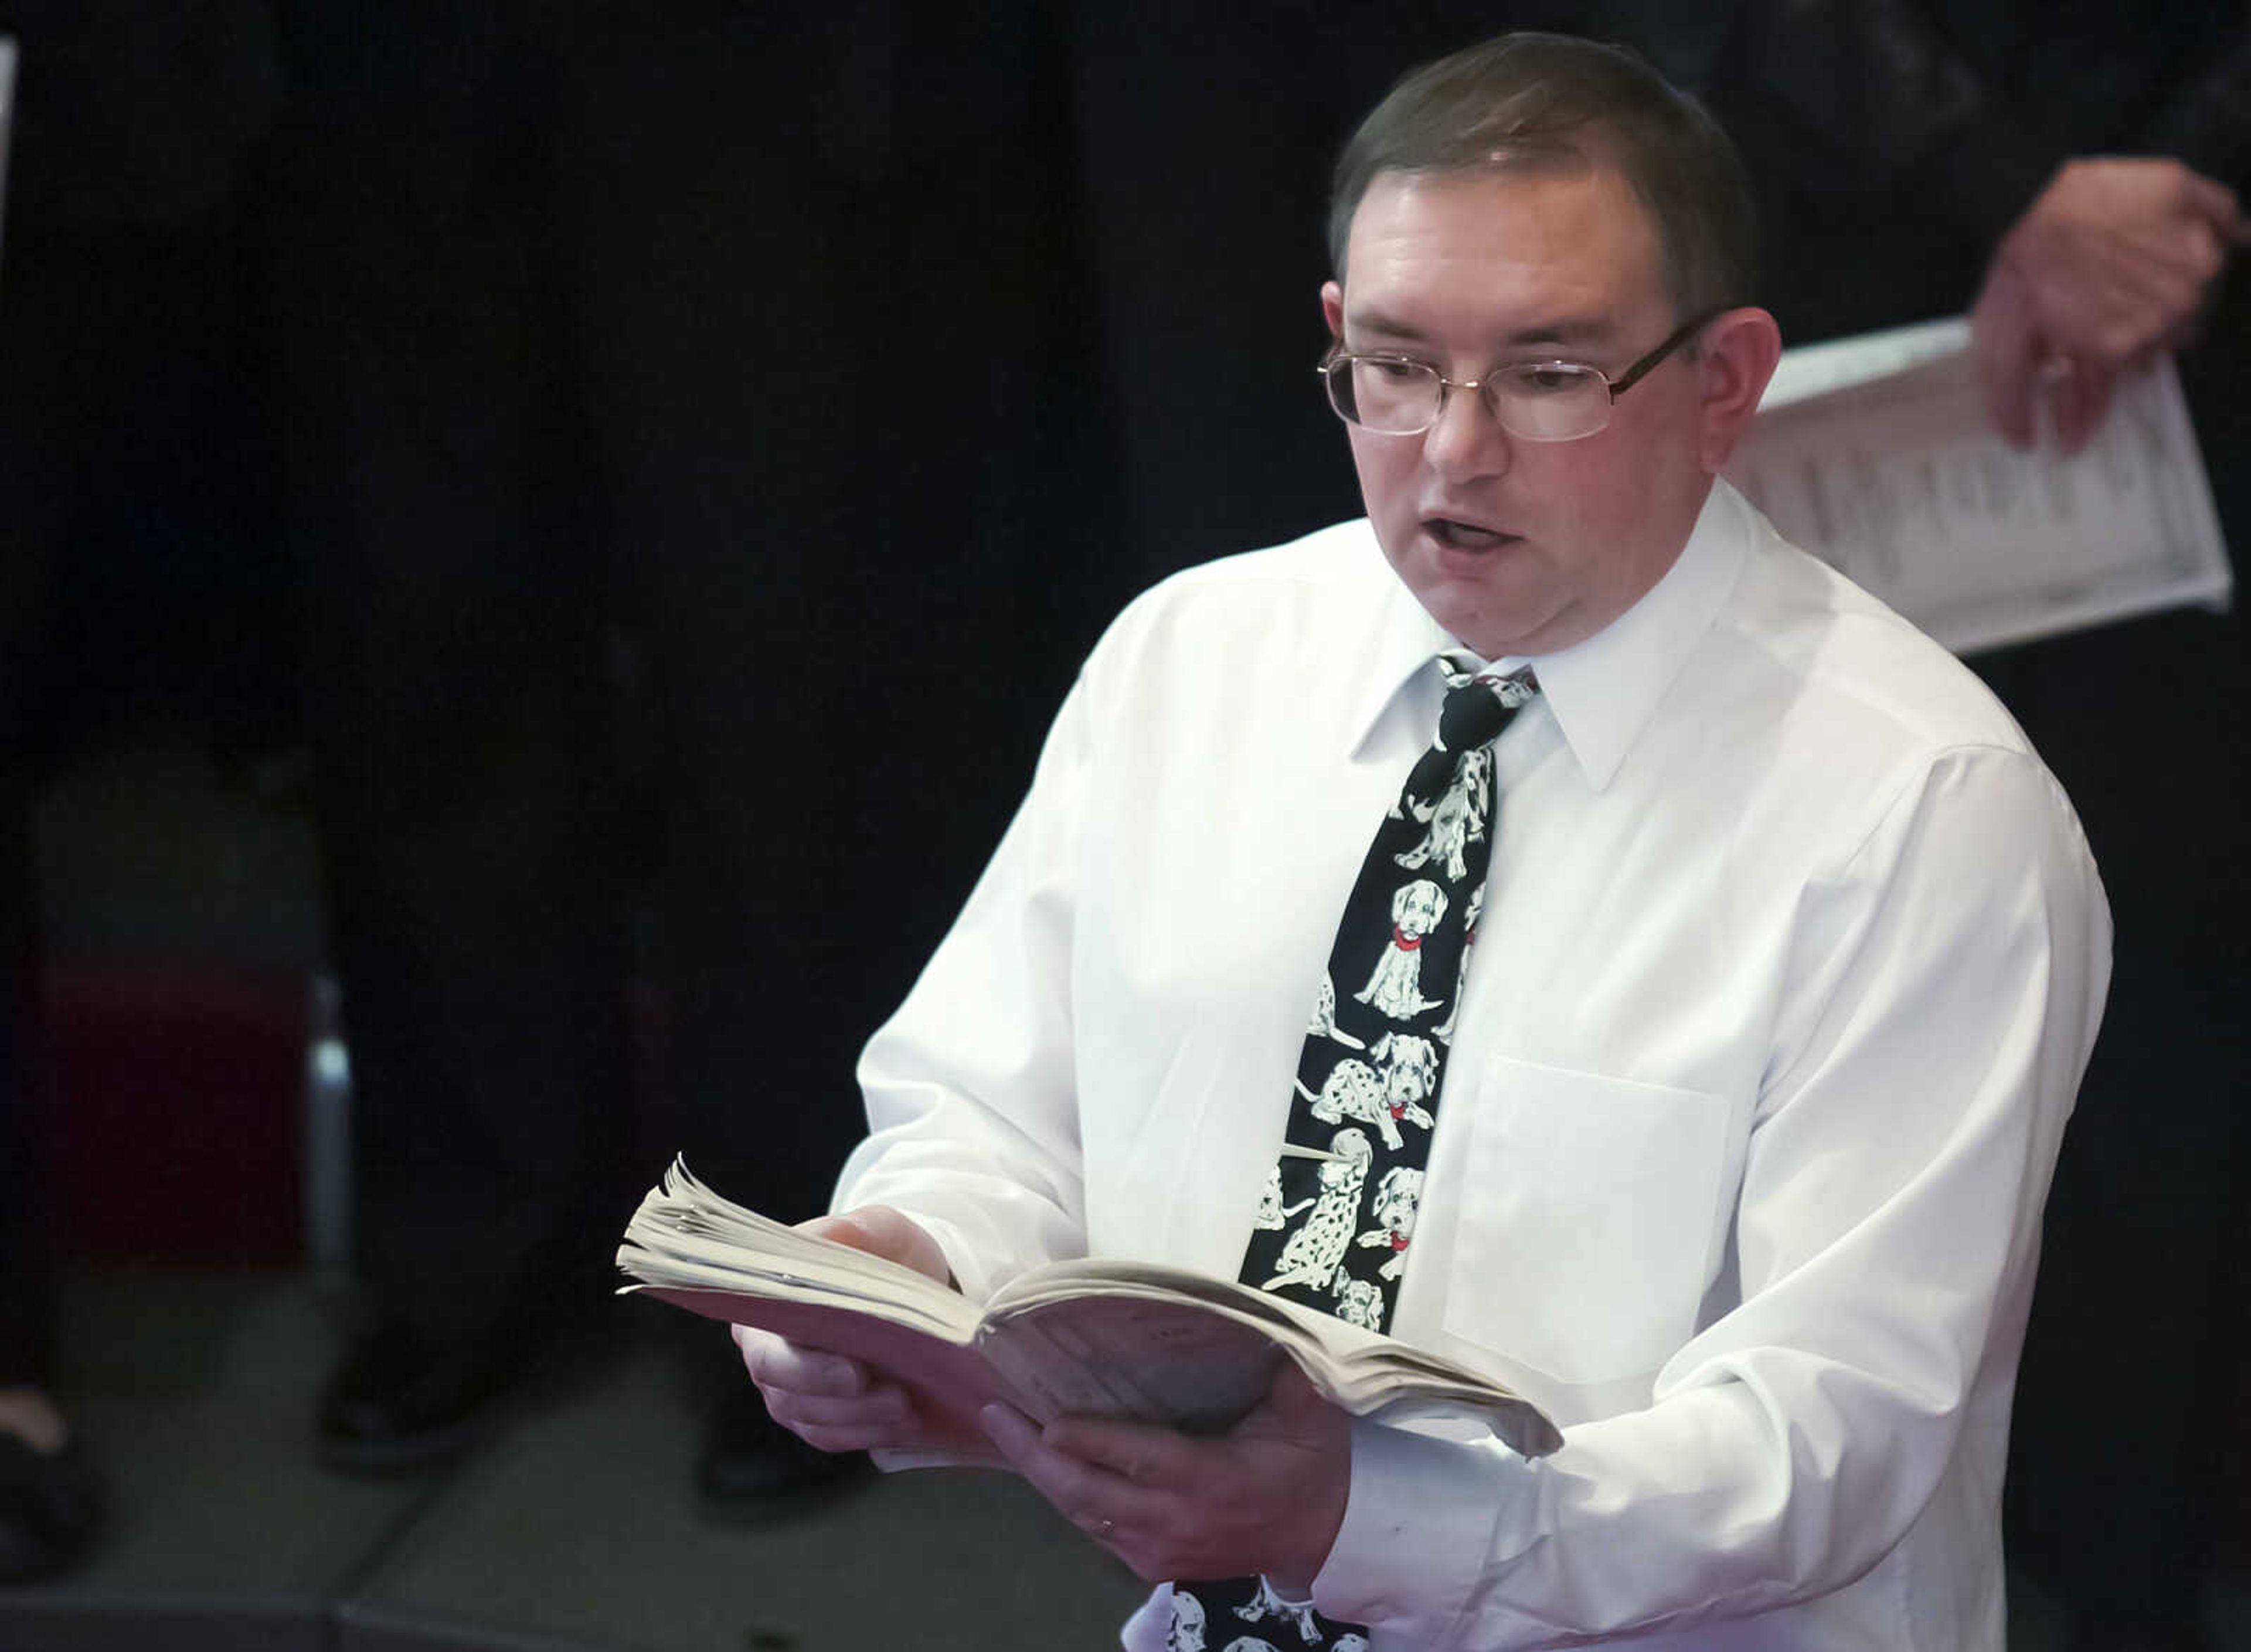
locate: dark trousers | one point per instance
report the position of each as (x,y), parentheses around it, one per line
(669,435)
(27,1330)
(136,579)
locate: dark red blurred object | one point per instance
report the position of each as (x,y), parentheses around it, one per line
(179,1113)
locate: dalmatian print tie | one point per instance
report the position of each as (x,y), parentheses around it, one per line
(1337,1216)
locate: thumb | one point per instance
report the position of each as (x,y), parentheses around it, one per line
(2083,399)
(2004,343)
(1293,1394)
(880,1230)
(2215,202)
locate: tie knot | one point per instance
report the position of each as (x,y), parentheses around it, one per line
(1477,711)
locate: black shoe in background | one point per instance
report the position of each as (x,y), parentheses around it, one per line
(51,1509)
(401,1400)
(752,1469)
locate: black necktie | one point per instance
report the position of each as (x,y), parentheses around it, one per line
(1337,1216)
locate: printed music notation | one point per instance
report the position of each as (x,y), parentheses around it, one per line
(1874,452)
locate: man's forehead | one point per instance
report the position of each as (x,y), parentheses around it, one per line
(1555,254)
(1501,200)
(1377,318)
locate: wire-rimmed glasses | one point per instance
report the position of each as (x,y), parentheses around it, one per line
(1396,395)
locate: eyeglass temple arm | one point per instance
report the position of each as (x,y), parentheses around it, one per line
(1673,340)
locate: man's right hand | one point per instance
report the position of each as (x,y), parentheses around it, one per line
(829,1401)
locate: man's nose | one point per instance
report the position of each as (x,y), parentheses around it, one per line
(1467,440)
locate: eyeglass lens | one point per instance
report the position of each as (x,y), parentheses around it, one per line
(1538,401)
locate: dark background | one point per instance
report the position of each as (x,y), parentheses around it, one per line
(613,447)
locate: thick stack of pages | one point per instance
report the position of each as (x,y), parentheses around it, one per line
(1102,1336)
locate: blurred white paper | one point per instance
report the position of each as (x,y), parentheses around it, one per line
(7,109)
(1874,453)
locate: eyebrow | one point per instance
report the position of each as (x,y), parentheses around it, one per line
(1568,329)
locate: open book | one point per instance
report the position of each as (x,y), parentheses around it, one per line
(1099,1335)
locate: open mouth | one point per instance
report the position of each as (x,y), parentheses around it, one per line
(1455,535)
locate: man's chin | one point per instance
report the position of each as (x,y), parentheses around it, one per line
(1490,624)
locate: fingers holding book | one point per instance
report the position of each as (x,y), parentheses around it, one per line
(831,1403)
(1267,1497)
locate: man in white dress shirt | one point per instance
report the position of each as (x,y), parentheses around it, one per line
(1790,959)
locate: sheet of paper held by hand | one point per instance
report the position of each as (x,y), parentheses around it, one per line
(1874,452)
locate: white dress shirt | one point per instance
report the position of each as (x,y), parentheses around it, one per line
(1791,956)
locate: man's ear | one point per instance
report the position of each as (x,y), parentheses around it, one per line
(1735,358)
(1333,308)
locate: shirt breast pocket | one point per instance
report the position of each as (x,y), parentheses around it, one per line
(1588,1219)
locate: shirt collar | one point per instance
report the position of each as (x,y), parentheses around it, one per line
(1603,691)
(1409,640)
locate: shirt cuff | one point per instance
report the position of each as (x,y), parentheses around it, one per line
(1419,1531)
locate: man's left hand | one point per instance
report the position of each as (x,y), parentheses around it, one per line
(1268,1497)
(2107,268)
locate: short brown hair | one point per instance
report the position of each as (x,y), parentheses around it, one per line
(1540,100)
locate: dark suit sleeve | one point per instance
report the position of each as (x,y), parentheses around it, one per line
(2210,128)
(1881,103)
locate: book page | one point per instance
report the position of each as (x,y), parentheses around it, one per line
(1194,1349)
(1874,453)
(685,1235)
(1153,1361)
